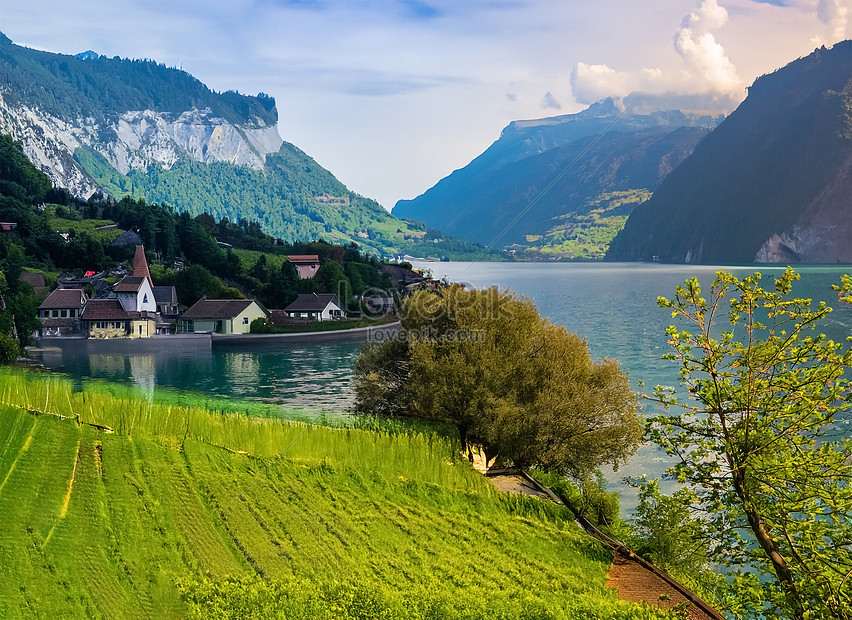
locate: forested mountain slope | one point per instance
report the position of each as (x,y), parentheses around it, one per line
(138,128)
(560,175)
(773,183)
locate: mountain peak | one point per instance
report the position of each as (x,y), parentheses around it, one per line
(88,55)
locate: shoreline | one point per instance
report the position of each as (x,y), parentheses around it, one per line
(206,342)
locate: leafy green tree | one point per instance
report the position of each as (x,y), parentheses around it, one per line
(752,440)
(330,278)
(17,172)
(195,282)
(510,381)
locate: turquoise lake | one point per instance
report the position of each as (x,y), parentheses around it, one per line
(612,305)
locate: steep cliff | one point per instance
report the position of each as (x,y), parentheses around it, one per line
(134,113)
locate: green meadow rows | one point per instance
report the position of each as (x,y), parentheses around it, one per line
(116,505)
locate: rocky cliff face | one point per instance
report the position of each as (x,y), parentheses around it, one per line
(134,140)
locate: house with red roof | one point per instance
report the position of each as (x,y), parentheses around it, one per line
(306,265)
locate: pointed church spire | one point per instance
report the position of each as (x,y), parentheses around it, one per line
(140,265)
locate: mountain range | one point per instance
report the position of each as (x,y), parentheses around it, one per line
(557,184)
(773,183)
(770,183)
(138,128)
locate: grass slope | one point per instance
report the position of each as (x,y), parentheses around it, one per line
(186,512)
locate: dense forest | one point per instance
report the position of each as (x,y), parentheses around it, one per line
(99,87)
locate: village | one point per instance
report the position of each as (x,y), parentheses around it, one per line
(134,307)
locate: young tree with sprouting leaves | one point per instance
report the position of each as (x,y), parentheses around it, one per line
(761,467)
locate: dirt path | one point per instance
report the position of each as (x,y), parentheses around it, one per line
(633,580)
(636,583)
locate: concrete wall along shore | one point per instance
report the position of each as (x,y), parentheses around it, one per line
(205,342)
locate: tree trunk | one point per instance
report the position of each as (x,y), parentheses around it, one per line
(767,543)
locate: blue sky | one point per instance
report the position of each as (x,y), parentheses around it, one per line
(392,95)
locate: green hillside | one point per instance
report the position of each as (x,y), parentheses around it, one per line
(167,511)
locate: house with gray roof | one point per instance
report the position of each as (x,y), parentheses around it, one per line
(221,316)
(316,307)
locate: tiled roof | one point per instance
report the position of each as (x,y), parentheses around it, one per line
(129,284)
(36,280)
(64,298)
(216,309)
(107,310)
(140,265)
(303,258)
(165,294)
(128,238)
(312,302)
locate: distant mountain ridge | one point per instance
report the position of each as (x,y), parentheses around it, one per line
(563,166)
(773,183)
(139,128)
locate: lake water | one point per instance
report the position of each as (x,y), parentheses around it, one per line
(612,305)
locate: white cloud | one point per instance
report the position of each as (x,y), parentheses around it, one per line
(834,13)
(707,17)
(706,68)
(593,82)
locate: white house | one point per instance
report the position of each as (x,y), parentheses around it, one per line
(317,307)
(136,292)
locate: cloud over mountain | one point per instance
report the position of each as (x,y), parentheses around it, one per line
(707,70)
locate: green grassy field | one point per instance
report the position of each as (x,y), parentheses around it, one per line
(172,511)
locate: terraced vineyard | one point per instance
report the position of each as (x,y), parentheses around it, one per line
(126,507)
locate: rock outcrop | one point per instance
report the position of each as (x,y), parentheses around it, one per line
(134,140)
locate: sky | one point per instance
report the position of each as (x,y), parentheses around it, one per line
(393,95)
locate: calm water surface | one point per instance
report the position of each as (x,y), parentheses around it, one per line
(612,305)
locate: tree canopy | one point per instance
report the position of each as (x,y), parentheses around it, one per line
(762,472)
(509,380)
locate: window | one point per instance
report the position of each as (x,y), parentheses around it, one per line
(63,314)
(245,320)
(140,327)
(54,313)
(73,312)
(144,300)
